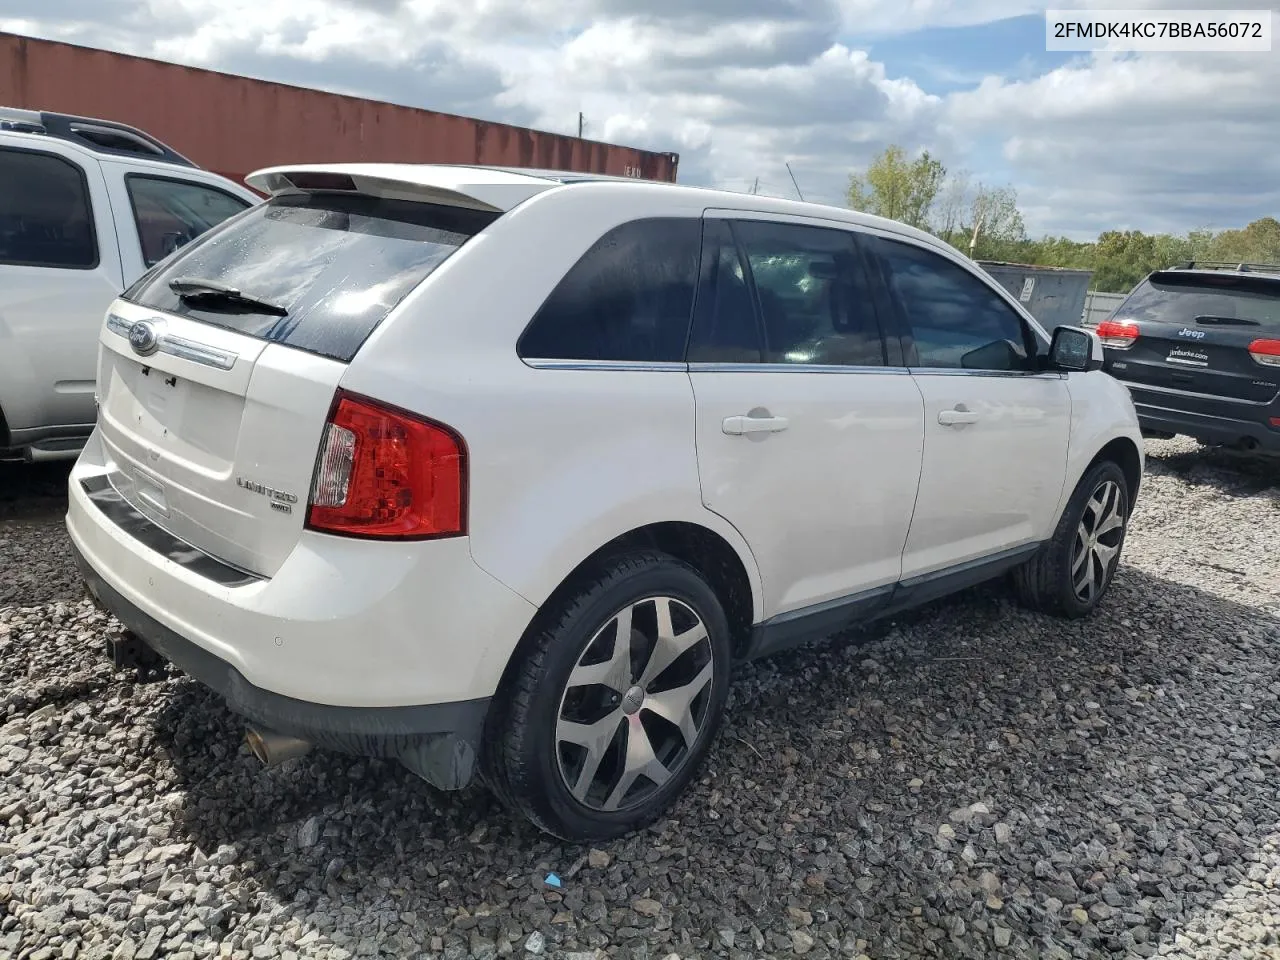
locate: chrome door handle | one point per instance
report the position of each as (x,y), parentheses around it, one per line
(952,418)
(737,426)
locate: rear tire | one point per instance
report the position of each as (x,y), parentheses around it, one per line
(592,738)
(1071,573)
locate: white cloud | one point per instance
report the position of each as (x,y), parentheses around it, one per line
(1146,142)
(741,87)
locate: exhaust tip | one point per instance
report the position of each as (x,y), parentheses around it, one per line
(272,749)
(259,749)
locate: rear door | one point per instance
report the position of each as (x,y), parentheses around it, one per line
(809,434)
(59,270)
(1193,332)
(219,367)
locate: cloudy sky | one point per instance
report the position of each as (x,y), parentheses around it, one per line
(738,88)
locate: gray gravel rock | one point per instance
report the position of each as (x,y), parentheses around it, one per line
(966,780)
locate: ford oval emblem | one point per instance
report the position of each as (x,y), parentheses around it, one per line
(144,338)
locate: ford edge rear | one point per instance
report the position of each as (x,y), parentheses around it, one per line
(234,505)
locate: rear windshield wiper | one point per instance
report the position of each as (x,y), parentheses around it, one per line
(1228,321)
(196,288)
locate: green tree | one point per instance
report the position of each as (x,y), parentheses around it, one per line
(1123,258)
(1259,242)
(898,188)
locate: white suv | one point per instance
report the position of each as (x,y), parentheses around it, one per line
(485,469)
(86,206)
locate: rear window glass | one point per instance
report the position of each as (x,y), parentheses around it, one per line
(1250,301)
(335,264)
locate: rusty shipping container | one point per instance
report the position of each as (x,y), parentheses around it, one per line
(234,125)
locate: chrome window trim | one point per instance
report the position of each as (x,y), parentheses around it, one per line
(648,366)
(701,366)
(961,372)
(179,347)
(819,368)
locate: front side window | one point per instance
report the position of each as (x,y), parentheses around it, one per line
(315,271)
(956,320)
(629,297)
(45,216)
(171,213)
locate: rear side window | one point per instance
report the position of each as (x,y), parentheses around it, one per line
(629,297)
(725,328)
(1188,301)
(815,300)
(812,297)
(45,216)
(172,213)
(956,320)
(332,266)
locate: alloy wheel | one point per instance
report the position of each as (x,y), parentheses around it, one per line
(1097,542)
(634,704)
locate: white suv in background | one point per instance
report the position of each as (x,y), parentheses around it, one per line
(499,470)
(85,207)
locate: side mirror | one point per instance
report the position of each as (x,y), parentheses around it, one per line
(1075,349)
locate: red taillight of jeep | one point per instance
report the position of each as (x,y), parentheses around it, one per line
(387,474)
(1119,334)
(1266,352)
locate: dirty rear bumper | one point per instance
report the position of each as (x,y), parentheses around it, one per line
(1207,428)
(439,742)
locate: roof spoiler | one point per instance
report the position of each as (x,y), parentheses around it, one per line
(476,188)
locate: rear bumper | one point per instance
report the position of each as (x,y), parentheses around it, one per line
(1209,428)
(371,648)
(439,742)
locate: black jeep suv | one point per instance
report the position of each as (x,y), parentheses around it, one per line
(1198,346)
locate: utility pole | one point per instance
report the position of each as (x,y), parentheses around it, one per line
(580,119)
(755,186)
(973,242)
(793,181)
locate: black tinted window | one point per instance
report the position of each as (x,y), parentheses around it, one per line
(956,320)
(628,298)
(172,213)
(45,216)
(337,264)
(1230,300)
(725,329)
(814,297)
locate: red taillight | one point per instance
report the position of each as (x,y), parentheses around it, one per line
(1266,352)
(386,473)
(1117,333)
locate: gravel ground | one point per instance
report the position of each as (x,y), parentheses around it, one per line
(970,781)
(34,568)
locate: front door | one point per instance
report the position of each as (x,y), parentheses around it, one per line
(808,441)
(996,430)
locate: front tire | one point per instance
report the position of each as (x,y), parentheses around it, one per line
(1071,573)
(613,706)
